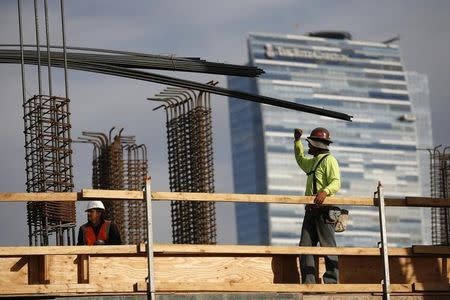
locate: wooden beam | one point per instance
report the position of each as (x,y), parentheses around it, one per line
(22,197)
(67,250)
(198,250)
(427,202)
(273,250)
(218,197)
(96,289)
(83,268)
(87,194)
(112,194)
(429,249)
(38,269)
(279,288)
(431,286)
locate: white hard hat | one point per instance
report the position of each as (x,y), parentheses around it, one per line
(95,204)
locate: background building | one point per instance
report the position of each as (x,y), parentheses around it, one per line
(364,79)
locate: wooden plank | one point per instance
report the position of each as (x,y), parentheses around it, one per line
(112,194)
(83,268)
(280,288)
(218,270)
(38,269)
(218,197)
(431,286)
(198,250)
(13,271)
(429,249)
(255,198)
(87,194)
(62,269)
(21,197)
(66,250)
(94,289)
(47,289)
(109,272)
(273,250)
(402,269)
(427,202)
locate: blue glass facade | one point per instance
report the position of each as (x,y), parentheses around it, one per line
(362,79)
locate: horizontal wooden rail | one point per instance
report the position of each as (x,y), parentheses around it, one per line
(277,288)
(88,194)
(50,197)
(221,249)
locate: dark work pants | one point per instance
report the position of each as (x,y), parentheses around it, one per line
(316,230)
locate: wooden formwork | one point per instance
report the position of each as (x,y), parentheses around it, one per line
(105,270)
(117,270)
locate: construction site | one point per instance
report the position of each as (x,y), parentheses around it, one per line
(194,265)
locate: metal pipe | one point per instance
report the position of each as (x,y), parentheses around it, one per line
(150,282)
(384,242)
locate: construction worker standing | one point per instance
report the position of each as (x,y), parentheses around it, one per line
(323,181)
(98,231)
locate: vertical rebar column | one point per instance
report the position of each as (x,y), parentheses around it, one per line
(119,164)
(191,165)
(440,187)
(49,168)
(48,153)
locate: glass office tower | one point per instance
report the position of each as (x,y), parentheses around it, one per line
(363,79)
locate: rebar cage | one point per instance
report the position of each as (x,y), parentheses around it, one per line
(119,164)
(440,188)
(191,165)
(48,157)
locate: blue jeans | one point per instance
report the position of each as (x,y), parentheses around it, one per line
(315,230)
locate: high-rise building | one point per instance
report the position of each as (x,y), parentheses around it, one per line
(329,70)
(419,95)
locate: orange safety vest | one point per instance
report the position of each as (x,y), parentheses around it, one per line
(89,236)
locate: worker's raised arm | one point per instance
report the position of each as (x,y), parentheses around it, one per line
(333,176)
(304,163)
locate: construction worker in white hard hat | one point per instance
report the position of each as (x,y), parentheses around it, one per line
(98,231)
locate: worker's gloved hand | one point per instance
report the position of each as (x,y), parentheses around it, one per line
(320,197)
(297,133)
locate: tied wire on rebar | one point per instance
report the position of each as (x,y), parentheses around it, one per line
(119,164)
(440,188)
(191,165)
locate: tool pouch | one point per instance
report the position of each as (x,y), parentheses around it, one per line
(338,217)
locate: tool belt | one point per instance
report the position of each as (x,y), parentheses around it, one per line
(333,215)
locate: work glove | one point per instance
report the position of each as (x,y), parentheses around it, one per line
(297,133)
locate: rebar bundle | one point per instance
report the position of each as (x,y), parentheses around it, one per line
(119,164)
(49,168)
(440,188)
(191,166)
(130,65)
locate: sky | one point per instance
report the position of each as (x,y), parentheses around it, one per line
(213,30)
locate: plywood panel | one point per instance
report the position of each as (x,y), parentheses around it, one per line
(13,271)
(402,269)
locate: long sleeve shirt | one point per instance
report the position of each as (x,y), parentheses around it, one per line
(328,176)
